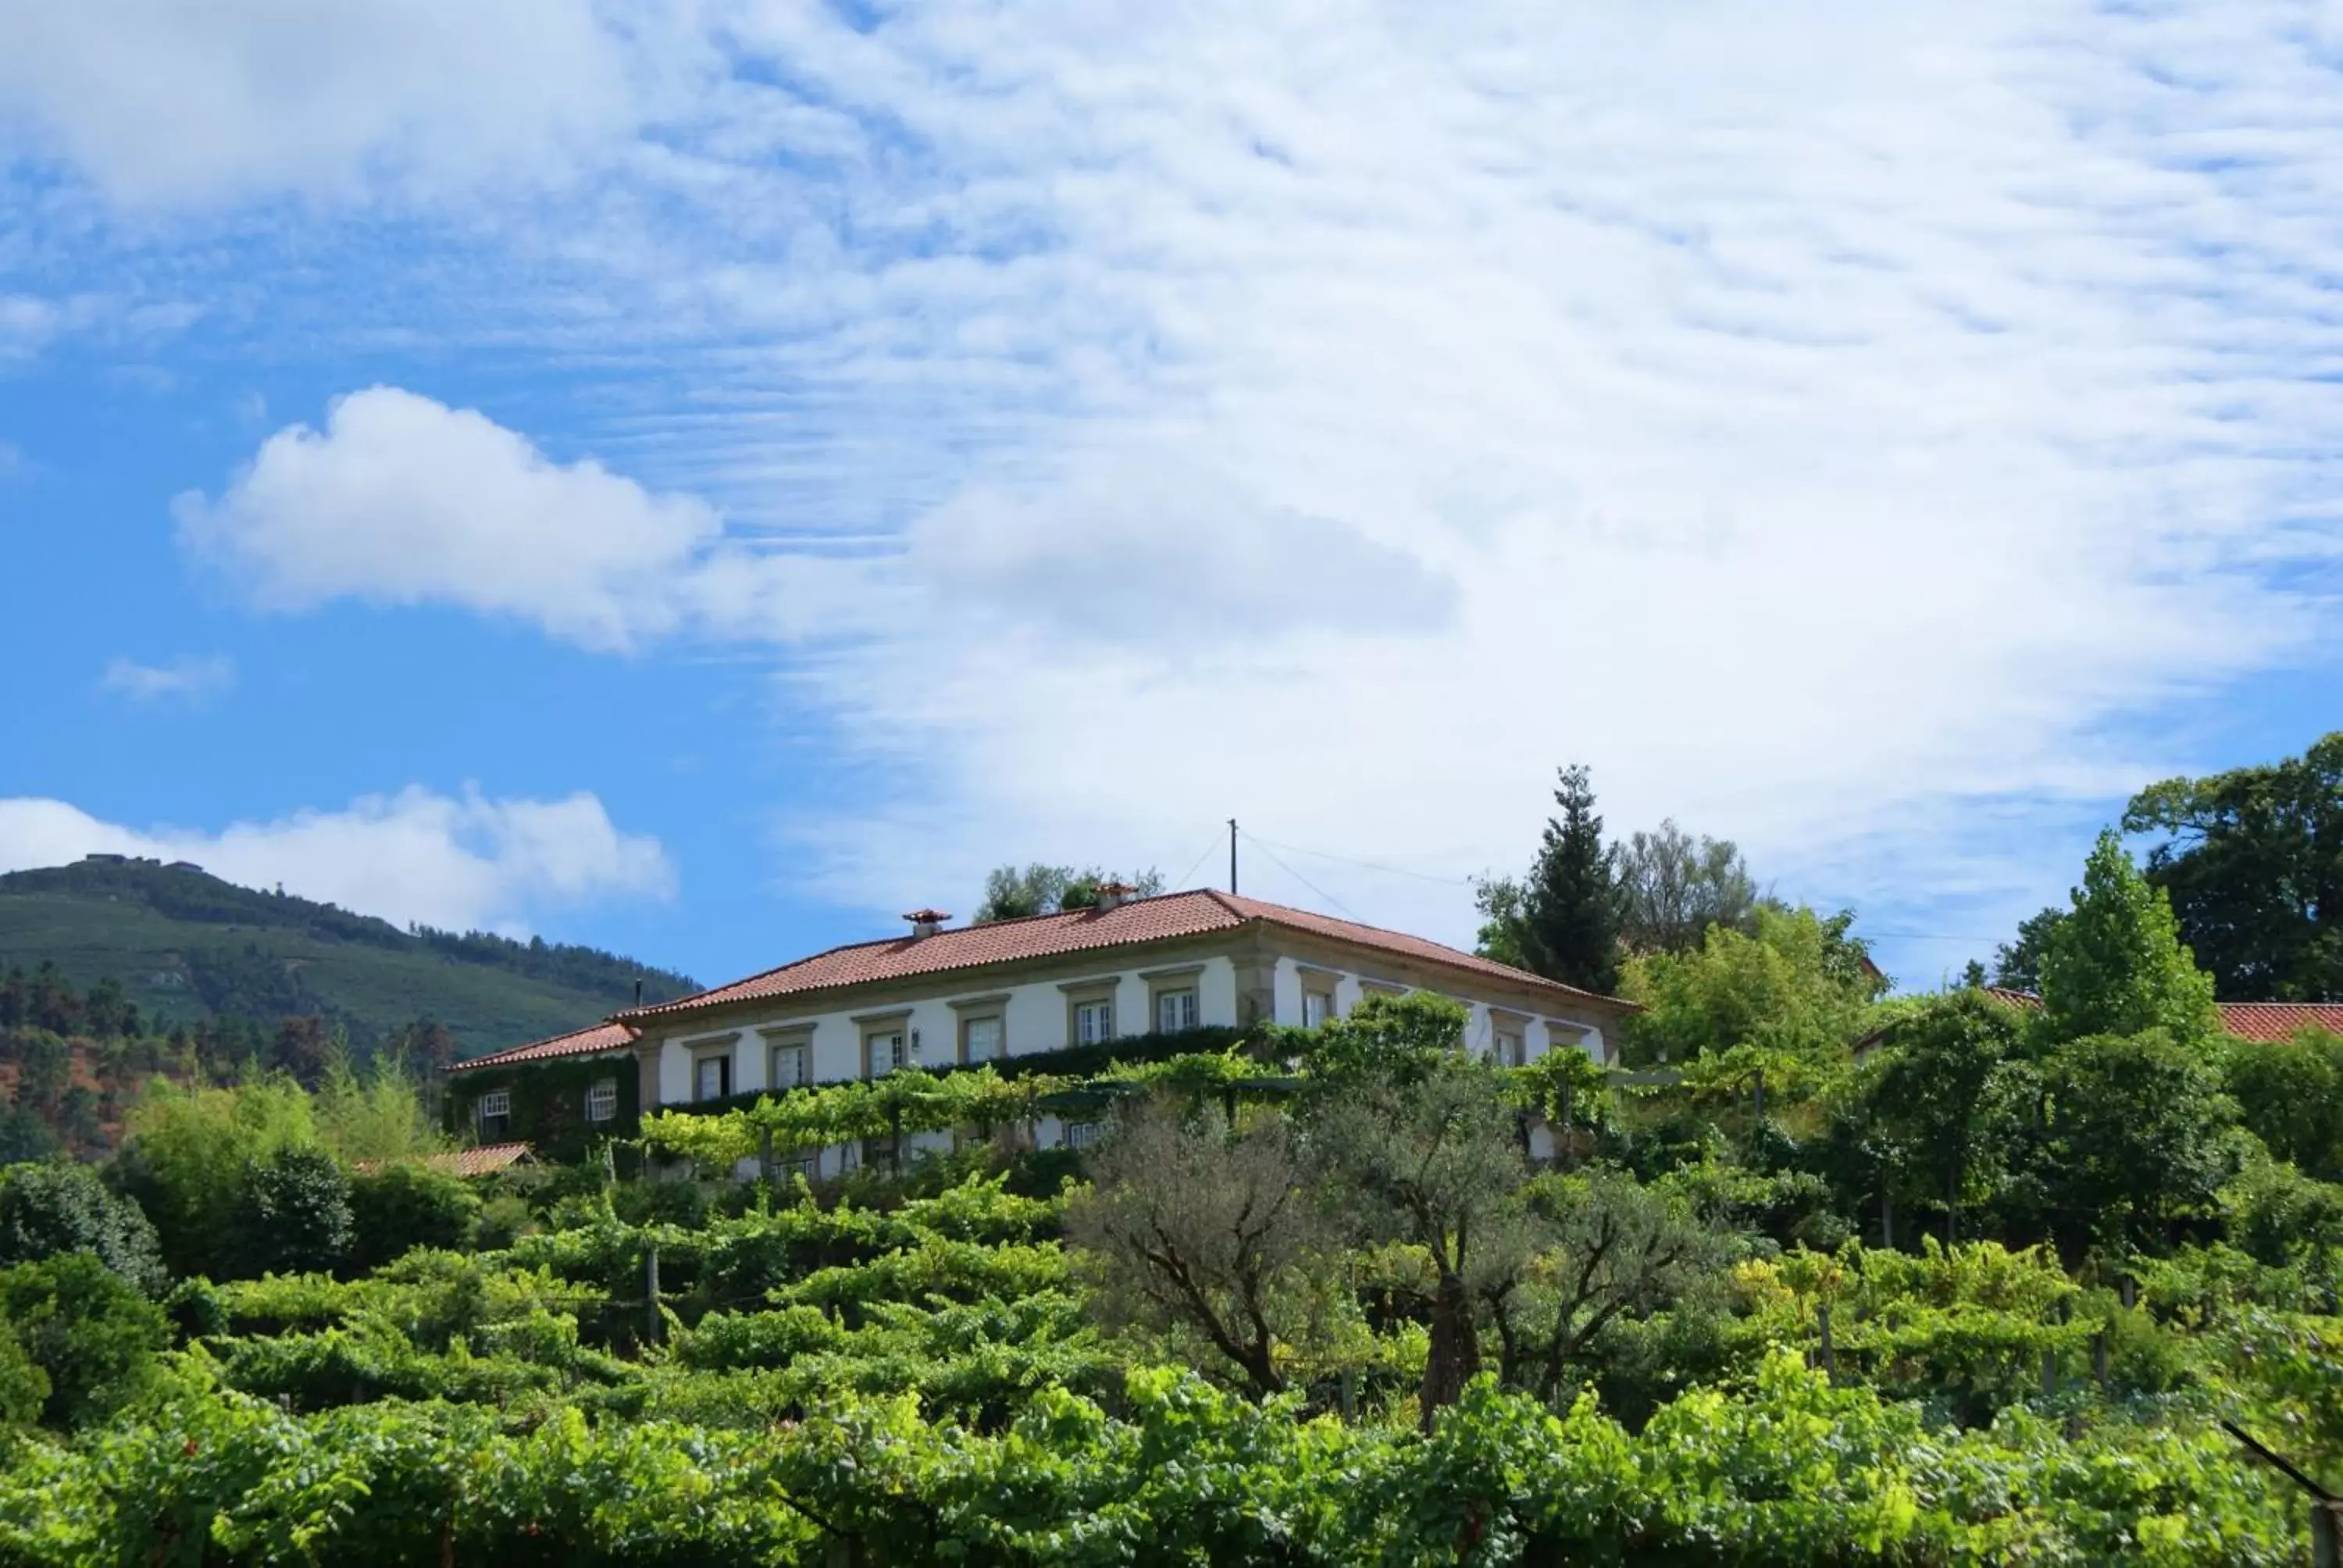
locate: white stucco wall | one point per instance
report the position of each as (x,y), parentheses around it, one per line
(1034,1019)
(1539,1034)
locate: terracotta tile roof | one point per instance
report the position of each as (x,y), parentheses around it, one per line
(595,1040)
(2280,1020)
(1152,919)
(485,1160)
(2245,1020)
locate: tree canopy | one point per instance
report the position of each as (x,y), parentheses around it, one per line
(1012,892)
(2252,860)
(1570,903)
(1673,887)
(2115,964)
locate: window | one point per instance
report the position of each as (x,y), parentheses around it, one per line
(1090,1011)
(711,1077)
(1174,1011)
(1317,1007)
(980,1037)
(884,1048)
(495,1110)
(1510,1048)
(1082,1135)
(602,1099)
(789,1065)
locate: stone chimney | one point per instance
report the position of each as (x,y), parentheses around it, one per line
(1111,894)
(926,922)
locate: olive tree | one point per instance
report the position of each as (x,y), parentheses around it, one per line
(1587,1250)
(1195,1224)
(1416,1143)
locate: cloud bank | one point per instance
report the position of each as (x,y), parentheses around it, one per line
(172,106)
(459,863)
(1830,425)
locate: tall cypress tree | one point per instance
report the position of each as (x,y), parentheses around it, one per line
(1570,928)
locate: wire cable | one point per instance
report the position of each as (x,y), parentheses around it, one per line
(1368,865)
(1209,848)
(1296,875)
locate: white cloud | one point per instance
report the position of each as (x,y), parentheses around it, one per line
(458,863)
(187,678)
(403,500)
(171,105)
(1151,552)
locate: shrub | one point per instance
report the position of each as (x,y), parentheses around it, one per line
(295,1213)
(47,1209)
(403,1207)
(2290,1093)
(656,1202)
(184,1157)
(92,1337)
(502,1221)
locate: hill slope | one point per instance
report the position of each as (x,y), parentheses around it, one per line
(187,946)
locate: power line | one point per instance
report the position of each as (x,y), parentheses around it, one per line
(1209,845)
(1298,876)
(1369,865)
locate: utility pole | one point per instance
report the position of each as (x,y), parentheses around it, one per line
(1233,856)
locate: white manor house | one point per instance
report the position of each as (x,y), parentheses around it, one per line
(959,996)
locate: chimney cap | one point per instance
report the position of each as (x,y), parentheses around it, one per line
(1110,895)
(928,917)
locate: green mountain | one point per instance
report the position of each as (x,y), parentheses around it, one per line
(186,946)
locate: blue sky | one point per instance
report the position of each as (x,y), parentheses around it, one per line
(703,478)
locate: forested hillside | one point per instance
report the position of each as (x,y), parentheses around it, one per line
(185,947)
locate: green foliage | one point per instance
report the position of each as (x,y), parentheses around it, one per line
(2253,863)
(1013,894)
(1796,989)
(1207,1227)
(399,1208)
(92,1337)
(53,1208)
(375,1115)
(2017,963)
(548,1103)
(292,1212)
(1500,901)
(1792,1471)
(2289,1094)
(2114,965)
(1420,1145)
(1950,1102)
(1673,888)
(185,1156)
(1386,1039)
(1569,928)
(2133,1133)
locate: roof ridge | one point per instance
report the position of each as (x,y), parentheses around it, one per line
(672,1003)
(1227,901)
